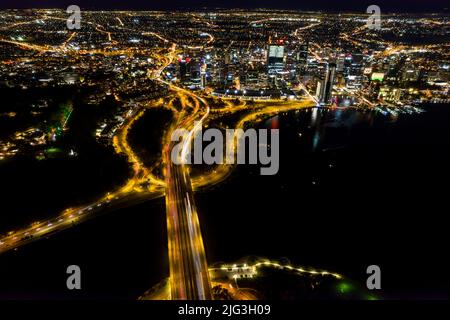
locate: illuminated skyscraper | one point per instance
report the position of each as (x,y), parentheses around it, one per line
(302,55)
(325,84)
(331,77)
(275,59)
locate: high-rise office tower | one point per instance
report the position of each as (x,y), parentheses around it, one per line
(302,55)
(340,62)
(331,76)
(275,59)
(325,84)
(184,69)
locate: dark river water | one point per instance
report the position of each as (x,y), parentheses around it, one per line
(354,189)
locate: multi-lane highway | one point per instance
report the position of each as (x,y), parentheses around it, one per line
(189,276)
(72,217)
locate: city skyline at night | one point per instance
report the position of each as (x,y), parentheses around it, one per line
(229,151)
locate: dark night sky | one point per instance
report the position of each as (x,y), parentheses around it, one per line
(333,5)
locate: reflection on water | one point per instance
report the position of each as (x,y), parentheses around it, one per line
(348,177)
(376,195)
(322,119)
